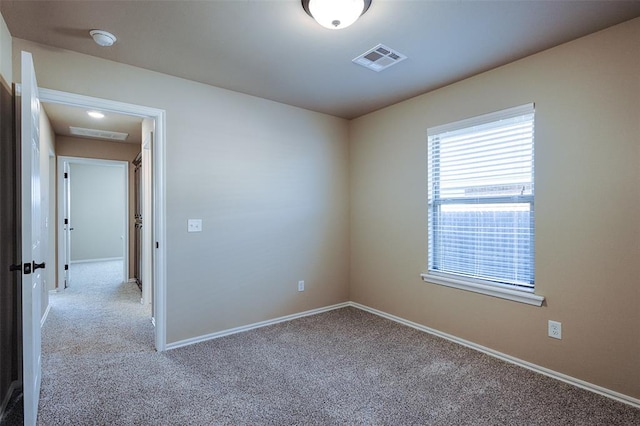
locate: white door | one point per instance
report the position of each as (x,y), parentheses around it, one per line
(66,197)
(32,256)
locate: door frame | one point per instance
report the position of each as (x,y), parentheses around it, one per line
(159,188)
(124,167)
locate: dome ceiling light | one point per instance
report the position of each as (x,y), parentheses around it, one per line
(103,38)
(335,14)
(95,114)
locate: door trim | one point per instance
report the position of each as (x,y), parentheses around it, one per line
(159,189)
(124,166)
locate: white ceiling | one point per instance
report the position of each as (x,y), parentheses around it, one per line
(274,50)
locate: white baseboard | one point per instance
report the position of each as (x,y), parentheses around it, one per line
(508,358)
(105,259)
(260,324)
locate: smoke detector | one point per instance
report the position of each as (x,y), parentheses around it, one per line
(379,58)
(103,38)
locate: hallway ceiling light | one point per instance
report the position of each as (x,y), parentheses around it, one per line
(95,114)
(103,38)
(335,14)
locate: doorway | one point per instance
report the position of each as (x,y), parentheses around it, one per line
(156,250)
(93,205)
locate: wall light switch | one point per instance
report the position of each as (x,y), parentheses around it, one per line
(194,225)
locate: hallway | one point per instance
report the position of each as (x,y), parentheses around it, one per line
(96,323)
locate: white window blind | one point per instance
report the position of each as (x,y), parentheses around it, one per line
(481,198)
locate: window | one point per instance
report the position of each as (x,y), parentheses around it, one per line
(481,204)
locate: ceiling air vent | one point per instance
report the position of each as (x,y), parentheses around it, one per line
(98,134)
(379,58)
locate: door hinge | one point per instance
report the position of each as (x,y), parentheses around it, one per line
(27,268)
(66,267)
(66,221)
(157,244)
(15,267)
(66,175)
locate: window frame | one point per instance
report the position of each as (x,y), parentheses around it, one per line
(521,293)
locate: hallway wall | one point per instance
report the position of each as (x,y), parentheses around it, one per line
(47,191)
(97,210)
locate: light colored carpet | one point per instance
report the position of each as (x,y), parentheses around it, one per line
(344,367)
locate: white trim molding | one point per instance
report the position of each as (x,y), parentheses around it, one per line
(508,358)
(521,296)
(260,324)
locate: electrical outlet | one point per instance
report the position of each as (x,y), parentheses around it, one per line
(194,225)
(300,285)
(555,329)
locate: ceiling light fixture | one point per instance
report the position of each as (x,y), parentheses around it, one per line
(103,38)
(95,114)
(335,14)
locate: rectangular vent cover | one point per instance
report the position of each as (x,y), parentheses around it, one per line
(379,58)
(98,134)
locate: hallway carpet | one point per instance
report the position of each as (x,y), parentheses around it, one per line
(344,367)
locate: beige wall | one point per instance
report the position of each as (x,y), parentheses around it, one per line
(105,150)
(269,181)
(587,96)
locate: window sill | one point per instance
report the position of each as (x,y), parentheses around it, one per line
(490,290)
